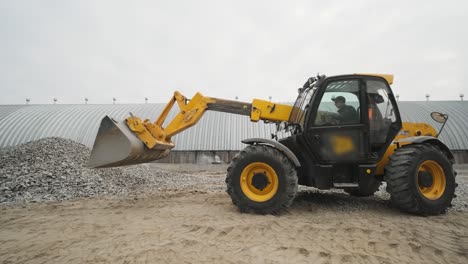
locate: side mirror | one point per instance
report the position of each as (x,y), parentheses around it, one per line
(439,117)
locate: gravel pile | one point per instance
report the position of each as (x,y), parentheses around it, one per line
(54,169)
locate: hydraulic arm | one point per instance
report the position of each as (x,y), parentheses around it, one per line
(138,141)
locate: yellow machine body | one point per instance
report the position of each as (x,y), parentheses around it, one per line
(322,153)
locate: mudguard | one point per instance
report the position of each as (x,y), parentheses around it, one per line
(275,144)
(427,139)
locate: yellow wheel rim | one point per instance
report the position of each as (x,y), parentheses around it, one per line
(259,182)
(437,188)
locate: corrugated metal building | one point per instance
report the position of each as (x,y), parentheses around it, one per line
(216,134)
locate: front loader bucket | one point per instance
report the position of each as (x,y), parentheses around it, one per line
(116,145)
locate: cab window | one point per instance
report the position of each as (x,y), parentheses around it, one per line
(380,111)
(339,105)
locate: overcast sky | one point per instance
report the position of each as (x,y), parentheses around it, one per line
(251,49)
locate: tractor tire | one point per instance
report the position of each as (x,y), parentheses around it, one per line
(262,180)
(420,179)
(365,191)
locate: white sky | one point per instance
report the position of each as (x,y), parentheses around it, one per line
(251,49)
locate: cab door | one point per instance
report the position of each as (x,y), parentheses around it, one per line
(337,132)
(383,116)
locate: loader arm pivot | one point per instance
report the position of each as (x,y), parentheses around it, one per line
(157,138)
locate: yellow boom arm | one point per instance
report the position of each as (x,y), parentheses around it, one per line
(191,111)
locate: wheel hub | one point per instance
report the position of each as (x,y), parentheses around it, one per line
(260,181)
(425,179)
(431,180)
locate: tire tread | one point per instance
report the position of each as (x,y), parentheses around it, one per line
(290,175)
(398,177)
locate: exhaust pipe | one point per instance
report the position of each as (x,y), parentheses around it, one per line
(116,145)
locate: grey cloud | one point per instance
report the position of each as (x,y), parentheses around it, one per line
(131,50)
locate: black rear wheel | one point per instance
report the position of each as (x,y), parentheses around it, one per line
(420,179)
(261,179)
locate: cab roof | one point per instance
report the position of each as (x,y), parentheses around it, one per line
(387,77)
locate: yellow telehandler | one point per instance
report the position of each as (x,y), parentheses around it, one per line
(344,132)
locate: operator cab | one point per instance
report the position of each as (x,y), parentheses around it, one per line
(342,121)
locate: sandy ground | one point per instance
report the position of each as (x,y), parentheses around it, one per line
(193,226)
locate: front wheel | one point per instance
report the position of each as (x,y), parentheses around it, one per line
(261,179)
(420,179)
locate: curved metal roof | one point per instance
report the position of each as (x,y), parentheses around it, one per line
(215,131)
(5,110)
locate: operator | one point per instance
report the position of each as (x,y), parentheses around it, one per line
(376,121)
(346,113)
